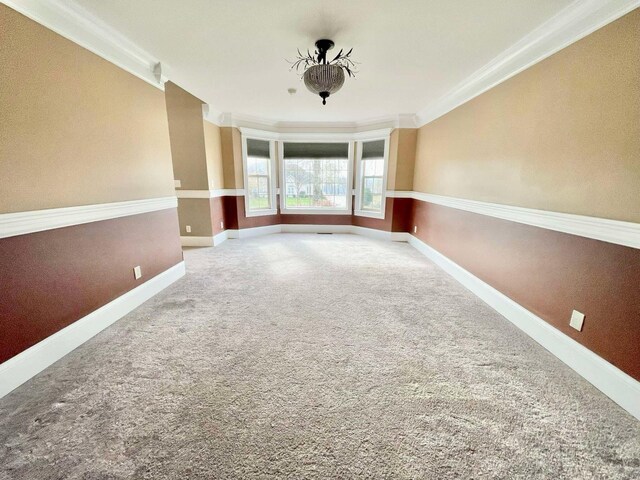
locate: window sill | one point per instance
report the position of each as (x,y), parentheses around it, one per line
(368,214)
(313,211)
(260,213)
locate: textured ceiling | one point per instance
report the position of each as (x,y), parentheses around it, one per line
(231,53)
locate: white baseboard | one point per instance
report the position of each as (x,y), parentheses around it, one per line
(610,380)
(220,237)
(197,241)
(310,228)
(17,370)
(253,232)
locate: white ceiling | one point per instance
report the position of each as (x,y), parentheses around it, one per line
(231,53)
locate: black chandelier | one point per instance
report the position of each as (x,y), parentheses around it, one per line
(321,76)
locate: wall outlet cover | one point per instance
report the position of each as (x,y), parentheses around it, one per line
(137,272)
(577,320)
(415,229)
(188,228)
(176,183)
(221,225)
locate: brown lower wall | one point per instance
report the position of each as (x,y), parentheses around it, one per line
(549,273)
(397,217)
(52,278)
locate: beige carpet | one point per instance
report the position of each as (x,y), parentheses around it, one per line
(313,356)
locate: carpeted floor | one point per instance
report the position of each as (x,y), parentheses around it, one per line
(313,356)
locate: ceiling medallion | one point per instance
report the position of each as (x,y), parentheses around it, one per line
(323,77)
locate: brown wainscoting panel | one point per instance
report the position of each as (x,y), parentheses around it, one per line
(251,222)
(549,273)
(218,215)
(301,219)
(377,223)
(397,216)
(52,278)
(230,206)
(402,215)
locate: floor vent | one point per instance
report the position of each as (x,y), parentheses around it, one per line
(325,233)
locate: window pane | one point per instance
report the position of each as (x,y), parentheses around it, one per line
(316,182)
(259,197)
(372,180)
(258,179)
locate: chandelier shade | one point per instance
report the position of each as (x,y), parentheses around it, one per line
(323,76)
(324,80)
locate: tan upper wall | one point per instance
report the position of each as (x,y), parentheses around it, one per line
(212,144)
(186,130)
(564,135)
(231,149)
(402,157)
(74,128)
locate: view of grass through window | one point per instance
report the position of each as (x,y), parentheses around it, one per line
(373,170)
(258,172)
(372,176)
(316,175)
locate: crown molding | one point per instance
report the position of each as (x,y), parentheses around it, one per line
(212,115)
(282,127)
(574,22)
(73,22)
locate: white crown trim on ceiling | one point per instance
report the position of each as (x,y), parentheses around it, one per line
(574,22)
(73,22)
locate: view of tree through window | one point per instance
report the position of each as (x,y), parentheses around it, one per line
(258,174)
(372,175)
(316,175)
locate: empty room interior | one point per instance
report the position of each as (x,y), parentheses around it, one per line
(319,239)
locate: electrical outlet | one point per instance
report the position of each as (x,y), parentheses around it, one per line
(577,320)
(415,229)
(176,183)
(188,228)
(137,272)
(221,225)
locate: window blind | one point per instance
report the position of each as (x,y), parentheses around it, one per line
(315,150)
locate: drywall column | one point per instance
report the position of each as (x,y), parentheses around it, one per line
(190,166)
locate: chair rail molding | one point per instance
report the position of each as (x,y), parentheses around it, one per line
(21,223)
(221,192)
(603,229)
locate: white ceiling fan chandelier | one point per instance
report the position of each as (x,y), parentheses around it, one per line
(323,77)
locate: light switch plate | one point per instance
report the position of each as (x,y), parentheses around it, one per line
(176,183)
(577,320)
(137,272)
(188,228)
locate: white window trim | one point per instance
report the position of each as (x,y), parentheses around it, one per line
(317,211)
(359,212)
(272,180)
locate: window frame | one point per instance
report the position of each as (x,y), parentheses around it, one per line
(258,212)
(358,211)
(321,210)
